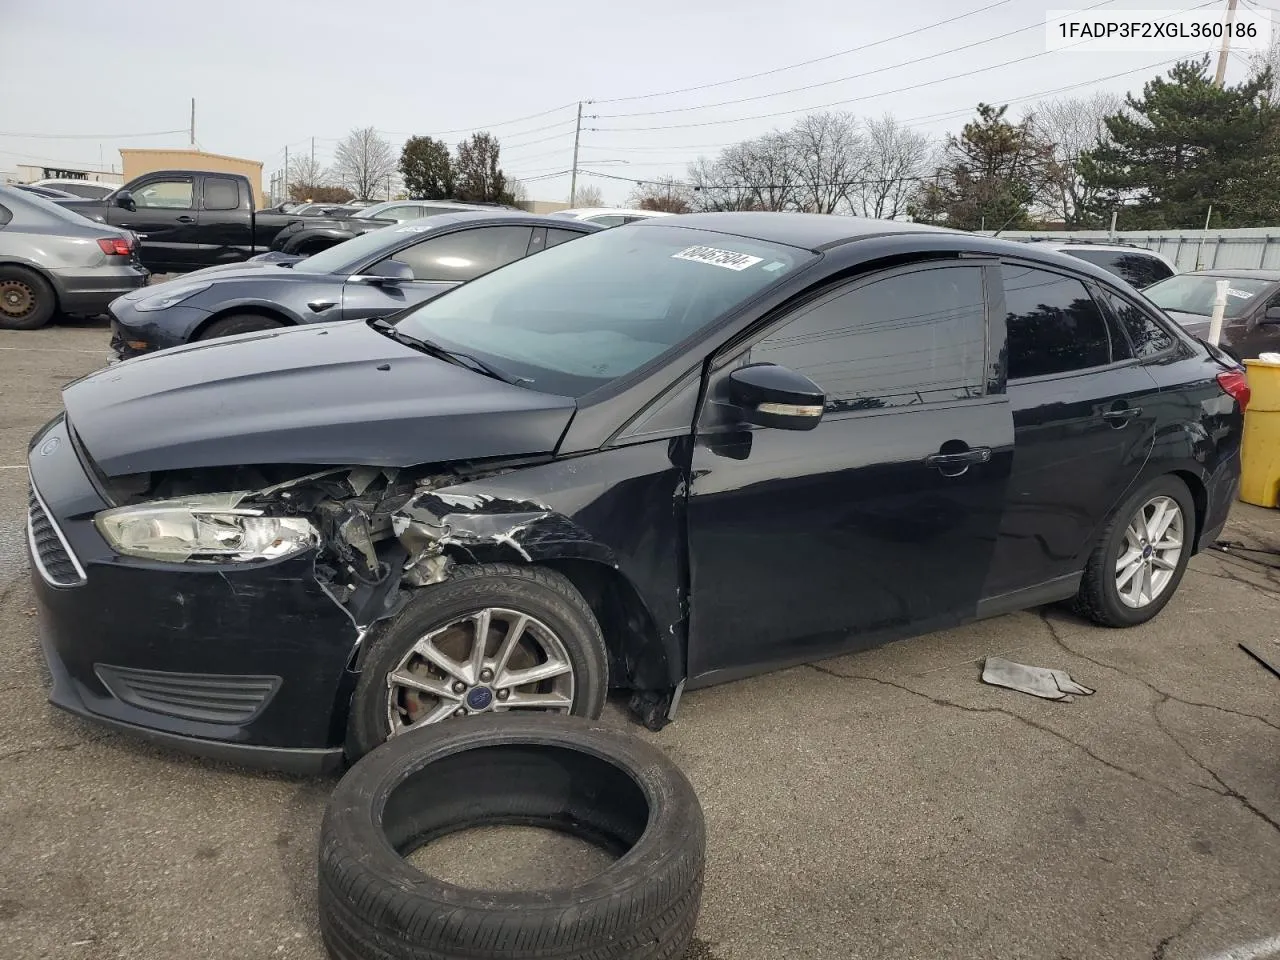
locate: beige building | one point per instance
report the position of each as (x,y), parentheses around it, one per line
(140,161)
(542,206)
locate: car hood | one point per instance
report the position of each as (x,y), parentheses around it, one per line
(248,270)
(332,394)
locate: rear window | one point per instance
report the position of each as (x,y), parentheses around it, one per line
(1139,269)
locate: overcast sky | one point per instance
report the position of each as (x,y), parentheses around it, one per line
(84,74)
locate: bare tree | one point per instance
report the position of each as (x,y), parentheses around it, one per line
(305,175)
(894,159)
(1268,60)
(1068,129)
(365,163)
(715,189)
(517,192)
(666,194)
(587,195)
(826,154)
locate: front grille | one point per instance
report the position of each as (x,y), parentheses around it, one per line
(212,697)
(52,556)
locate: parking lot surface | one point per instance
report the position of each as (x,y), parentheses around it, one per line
(880,805)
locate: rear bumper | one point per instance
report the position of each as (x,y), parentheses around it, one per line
(89,291)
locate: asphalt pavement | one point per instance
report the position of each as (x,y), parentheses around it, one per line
(883,805)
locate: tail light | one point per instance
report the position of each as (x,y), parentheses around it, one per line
(1234,385)
(116,246)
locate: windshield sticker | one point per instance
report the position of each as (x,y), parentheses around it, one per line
(1242,294)
(412,229)
(717,258)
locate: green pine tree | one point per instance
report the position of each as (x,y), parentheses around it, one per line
(1186,144)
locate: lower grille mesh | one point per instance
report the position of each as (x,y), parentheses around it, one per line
(212,697)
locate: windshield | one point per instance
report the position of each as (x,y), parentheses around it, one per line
(574,317)
(1194,293)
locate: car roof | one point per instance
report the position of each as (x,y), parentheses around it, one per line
(577,212)
(488,215)
(1244,274)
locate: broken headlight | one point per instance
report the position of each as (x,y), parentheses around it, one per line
(212,528)
(162,301)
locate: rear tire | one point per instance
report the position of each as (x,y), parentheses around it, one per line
(238,323)
(1127,535)
(27,301)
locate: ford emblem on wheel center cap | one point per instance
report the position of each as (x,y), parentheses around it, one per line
(479,698)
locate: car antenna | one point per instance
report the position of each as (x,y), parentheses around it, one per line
(1005,224)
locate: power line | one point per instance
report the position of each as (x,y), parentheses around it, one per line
(805,63)
(869,96)
(89,136)
(489,126)
(1039,24)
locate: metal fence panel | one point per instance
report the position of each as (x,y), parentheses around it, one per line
(1248,249)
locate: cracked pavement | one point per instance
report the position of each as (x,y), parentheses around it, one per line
(885,804)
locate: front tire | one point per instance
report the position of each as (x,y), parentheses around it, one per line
(27,301)
(238,323)
(541,650)
(1141,557)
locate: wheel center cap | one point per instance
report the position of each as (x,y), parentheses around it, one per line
(479,697)
(1146,552)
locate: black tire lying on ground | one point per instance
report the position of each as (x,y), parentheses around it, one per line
(553,771)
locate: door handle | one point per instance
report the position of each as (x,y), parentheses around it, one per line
(319,306)
(955,464)
(185,219)
(1118,418)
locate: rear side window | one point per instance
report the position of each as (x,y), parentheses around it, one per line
(1139,269)
(556,237)
(221,194)
(911,338)
(1147,336)
(1054,324)
(466,254)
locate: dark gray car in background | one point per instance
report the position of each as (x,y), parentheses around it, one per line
(373,275)
(53,260)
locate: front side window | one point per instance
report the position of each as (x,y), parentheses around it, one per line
(465,255)
(1139,269)
(1054,325)
(912,338)
(582,314)
(164,195)
(1148,338)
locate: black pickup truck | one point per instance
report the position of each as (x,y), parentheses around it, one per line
(187,219)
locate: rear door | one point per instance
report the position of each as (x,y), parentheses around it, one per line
(438,263)
(226,223)
(1084,414)
(166,219)
(881,520)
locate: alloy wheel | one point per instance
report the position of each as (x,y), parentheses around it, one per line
(1149,555)
(490,661)
(17,299)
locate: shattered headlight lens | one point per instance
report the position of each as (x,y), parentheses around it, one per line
(213,529)
(162,301)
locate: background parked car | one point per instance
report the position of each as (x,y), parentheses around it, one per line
(313,234)
(1138,265)
(1251,321)
(370,276)
(49,193)
(187,219)
(53,260)
(608,216)
(87,189)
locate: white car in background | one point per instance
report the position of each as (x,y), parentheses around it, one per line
(608,216)
(89,189)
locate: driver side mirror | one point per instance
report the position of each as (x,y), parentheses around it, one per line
(124,198)
(1272,314)
(772,396)
(388,273)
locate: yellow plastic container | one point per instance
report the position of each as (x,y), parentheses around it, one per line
(1260,453)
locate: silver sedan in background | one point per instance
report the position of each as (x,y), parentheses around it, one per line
(53,260)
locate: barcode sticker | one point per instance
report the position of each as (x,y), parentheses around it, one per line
(1240,294)
(717,258)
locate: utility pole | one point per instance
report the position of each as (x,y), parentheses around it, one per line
(1226,45)
(573,178)
(313,158)
(193,121)
(285,175)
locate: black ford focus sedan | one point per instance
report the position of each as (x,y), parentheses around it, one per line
(659,457)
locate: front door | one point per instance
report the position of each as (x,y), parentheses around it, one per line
(166,220)
(438,263)
(879,522)
(1084,411)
